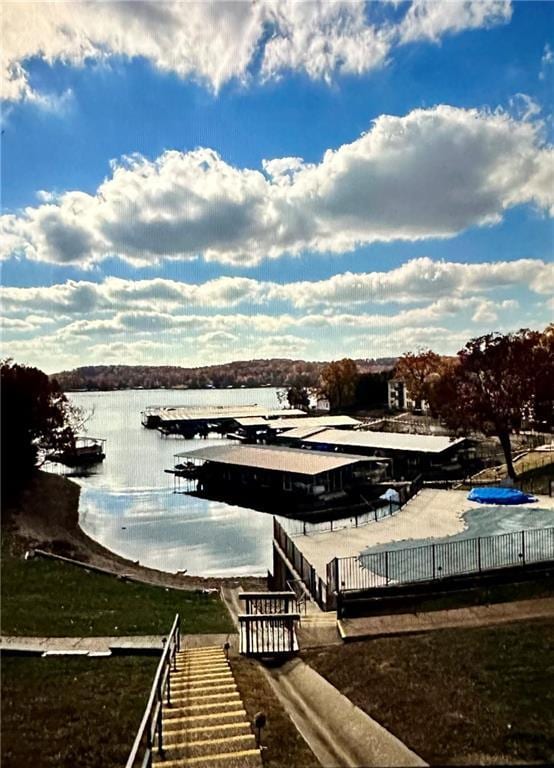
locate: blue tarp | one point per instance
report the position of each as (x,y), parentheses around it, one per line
(500,496)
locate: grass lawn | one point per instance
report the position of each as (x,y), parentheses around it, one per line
(283,744)
(44,597)
(462,696)
(72,712)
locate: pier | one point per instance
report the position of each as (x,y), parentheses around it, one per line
(189,421)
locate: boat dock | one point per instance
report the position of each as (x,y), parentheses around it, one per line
(190,421)
(265,475)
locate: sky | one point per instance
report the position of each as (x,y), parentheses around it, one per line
(194,183)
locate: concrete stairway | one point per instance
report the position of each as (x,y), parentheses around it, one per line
(206,724)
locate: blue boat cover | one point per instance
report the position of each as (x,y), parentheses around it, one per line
(500,496)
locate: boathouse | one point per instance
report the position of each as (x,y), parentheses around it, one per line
(283,472)
(430,455)
(190,420)
(255,427)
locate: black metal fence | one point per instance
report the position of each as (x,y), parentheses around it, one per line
(376,510)
(432,562)
(314,583)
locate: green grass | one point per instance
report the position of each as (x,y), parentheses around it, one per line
(283,744)
(44,597)
(464,696)
(72,712)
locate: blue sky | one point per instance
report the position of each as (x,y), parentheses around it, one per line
(412,208)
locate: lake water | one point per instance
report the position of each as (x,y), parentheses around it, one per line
(127,502)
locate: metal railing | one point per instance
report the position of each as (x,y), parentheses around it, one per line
(432,562)
(297,586)
(305,570)
(378,509)
(268,633)
(151,726)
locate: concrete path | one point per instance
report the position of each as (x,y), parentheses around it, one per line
(105,646)
(475,616)
(338,733)
(432,513)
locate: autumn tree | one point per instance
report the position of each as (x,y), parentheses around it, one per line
(493,386)
(298,397)
(417,371)
(37,419)
(339,380)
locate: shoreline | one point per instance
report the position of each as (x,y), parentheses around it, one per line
(46,517)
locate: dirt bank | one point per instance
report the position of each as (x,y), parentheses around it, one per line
(46,516)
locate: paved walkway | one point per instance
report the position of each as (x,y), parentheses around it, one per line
(338,733)
(475,616)
(432,513)
(104,646)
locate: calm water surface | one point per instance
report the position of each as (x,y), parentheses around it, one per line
(128,505)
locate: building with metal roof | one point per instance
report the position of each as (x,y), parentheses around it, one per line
(278,472)
(255,425)
(432,455)
(191,419)
(274,458)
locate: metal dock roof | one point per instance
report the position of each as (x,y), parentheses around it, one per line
(305,421)
(394,441)
(296,460)
(169,414)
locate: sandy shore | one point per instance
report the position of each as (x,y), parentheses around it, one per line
(46,516)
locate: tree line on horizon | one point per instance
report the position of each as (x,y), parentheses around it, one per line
(275,372)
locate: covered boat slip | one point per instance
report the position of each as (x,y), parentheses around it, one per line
(411,454)
(255,426)
(174,418)
(291,471)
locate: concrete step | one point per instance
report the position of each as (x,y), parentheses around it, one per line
(180,720)
(209,746)
(213,669)
(247,758)
(198,685)
(201,678)
(190,709)
(203,667)
(203,693)
(193,732)
(200,660)
(200,656)
(195,685)
(183,699)
(201,648)
(219,687)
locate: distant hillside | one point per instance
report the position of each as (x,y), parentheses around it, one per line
(247,373)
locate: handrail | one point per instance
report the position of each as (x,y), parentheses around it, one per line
(151,723)
(301,599)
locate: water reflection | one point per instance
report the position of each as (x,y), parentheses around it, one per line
(128,505)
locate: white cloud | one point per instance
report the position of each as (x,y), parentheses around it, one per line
(429,174)
(322,39)
(431,19)
(547,61)
(115,327)
(215,42)
(143,303)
